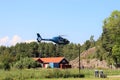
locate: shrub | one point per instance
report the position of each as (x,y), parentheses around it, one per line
(26,63)
(78,75)
(55,73)
(66,74)
(18,65)
(6,66)
(8,78)
(1,66)
(58,73)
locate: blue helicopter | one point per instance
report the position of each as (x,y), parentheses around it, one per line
(58,40)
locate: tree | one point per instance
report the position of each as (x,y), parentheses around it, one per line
(116,53)
(111,29)
(6,59)
(26,63)
(111,35)
(92,41)
(87,43)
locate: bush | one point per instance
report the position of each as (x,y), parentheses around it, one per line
(1,66)
(27,63)
(8,78)
(55,73)
(66,74)
(6,66)
(78,75)
(58,73)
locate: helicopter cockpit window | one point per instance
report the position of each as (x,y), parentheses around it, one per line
(60,39)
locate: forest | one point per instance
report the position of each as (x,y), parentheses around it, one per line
(107,48)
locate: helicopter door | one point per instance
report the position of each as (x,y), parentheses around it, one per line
(60,40)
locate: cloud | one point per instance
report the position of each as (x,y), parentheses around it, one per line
(16,39)
(6,41)
(29,41)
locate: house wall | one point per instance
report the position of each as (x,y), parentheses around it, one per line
(54,65)
(51,65)
(45,65)
(64,61)
(64,66)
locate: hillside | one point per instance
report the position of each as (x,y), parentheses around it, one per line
(88,63)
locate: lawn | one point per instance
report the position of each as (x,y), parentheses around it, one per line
(80,79)
(43,74)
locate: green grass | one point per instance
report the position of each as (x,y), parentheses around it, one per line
(40,74)
(80,79)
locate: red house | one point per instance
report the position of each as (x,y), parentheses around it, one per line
(53,62)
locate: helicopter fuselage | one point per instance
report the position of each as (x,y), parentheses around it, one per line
(58,40)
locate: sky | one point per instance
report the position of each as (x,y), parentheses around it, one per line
(20,20)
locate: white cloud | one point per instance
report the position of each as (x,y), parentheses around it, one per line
(29,41)
(15,39)
(6,41)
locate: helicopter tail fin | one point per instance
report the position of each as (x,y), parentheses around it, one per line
(39,38)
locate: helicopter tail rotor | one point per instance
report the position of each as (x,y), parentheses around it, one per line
(39,38)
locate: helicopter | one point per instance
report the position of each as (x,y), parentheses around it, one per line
(58,40)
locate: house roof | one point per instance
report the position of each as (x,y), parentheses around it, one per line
(50,59)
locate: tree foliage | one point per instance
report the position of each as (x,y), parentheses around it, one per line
(26,63)
(110,38)
(14,55)
(116,53)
